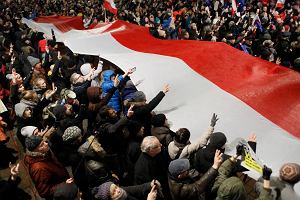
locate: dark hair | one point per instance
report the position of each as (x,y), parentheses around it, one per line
(103,112)
(182,136)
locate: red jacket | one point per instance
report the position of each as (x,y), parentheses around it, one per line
(46,173)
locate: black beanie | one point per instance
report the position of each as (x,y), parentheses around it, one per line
(158,120)
(217,140)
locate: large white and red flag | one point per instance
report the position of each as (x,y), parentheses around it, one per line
(110,6)
(248,94)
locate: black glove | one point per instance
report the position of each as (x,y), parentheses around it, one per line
(267,173)
(214,120)
(239,149)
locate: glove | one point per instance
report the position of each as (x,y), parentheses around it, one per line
(267,172)
(214,120)
(239,150)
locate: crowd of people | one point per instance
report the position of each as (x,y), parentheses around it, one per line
(86,130)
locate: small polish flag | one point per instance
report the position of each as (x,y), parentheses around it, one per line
(110,6)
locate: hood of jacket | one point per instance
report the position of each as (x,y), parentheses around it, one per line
(107,74)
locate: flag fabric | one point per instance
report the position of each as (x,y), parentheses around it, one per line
(110,6)
(248,94)
(280,3)
(234,7)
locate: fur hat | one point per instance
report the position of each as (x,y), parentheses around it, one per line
(178,166)
(85,69)
(65,191)
(217,139)
(32,142)
(71,134)
(33,61)
(290,172)
(27,131)
(20,108)
(102,192)
(139,96)
(158,120)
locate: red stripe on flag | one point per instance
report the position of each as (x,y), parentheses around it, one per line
(64,23)
(271,90)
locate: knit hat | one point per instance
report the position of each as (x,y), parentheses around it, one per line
(158,120)
(65,191)
(178,166)
(33,61)
(71,134)
(27,131)
(85,68)
(20,108)
(32,142)
(103,191)
(290,172)
(217,139)
(139,96)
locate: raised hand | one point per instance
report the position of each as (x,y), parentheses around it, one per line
(70,180)
(166,88)
(267,172)
(152,194)
(214,120)
(130,112)
(116,81)
(217,159)
(14,170)
(252,137)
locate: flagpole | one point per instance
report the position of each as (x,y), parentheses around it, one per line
(104,15)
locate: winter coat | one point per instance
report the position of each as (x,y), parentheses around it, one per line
(106,86)
(189,149)
(143,114)
(148,168)
(191,190)
(45,171)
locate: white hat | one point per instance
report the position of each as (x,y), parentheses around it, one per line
(27,131)
(85,68)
